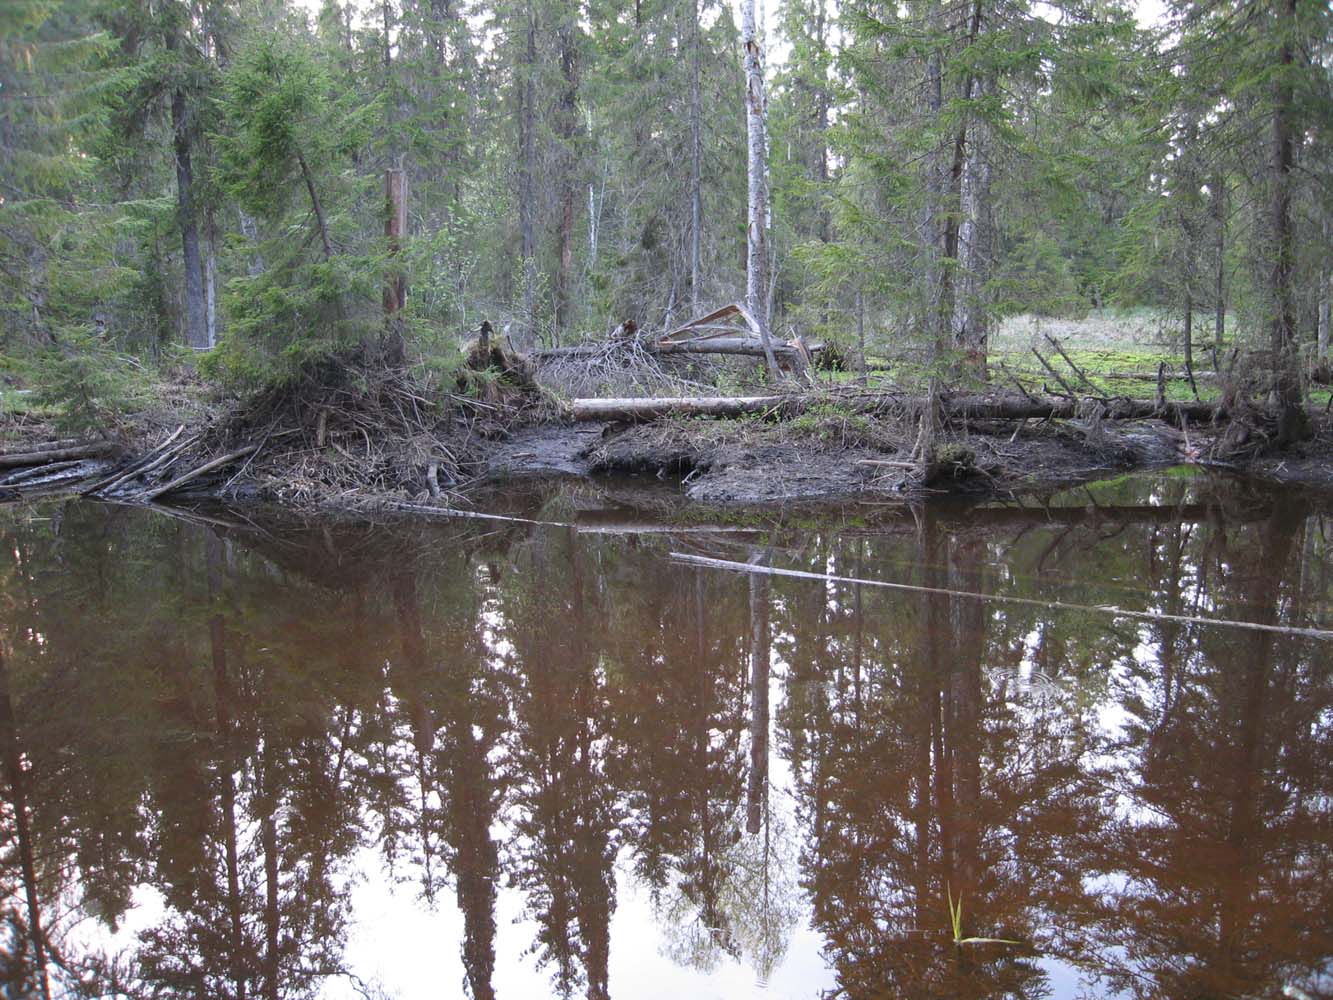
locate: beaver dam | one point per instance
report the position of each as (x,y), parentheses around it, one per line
(349,431)
(594,742)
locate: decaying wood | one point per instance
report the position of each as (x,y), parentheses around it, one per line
(955,406)
(642,410)
(202,470)
(40,471)
(731,344)
(134,468)
(17,459)
(705,320)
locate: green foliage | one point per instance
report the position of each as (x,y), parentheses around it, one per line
(86,384)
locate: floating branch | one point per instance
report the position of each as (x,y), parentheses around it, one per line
(1105,609)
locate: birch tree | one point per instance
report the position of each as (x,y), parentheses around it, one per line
(756,256)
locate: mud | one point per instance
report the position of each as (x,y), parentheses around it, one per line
(748,462)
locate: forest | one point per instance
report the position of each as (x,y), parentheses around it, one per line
(252,220)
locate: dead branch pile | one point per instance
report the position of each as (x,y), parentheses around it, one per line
(625,367)
(345,433)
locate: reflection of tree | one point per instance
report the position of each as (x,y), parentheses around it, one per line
(1220,889)
(566,808)
(310,697)
(933,784)
(20,978)
(455,720)
(675,640)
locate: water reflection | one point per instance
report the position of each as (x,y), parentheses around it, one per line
(218,733)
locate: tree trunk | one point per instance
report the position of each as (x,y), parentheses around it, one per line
(196,322)
(696,160)
(527,140)
(1219,273)
(1293,425)
(1321,333)
(395,285)
(970,407)
(1189,342)
(951,206)
(317,207)
(975,250)
(567,127)
(756,256)
(211,278)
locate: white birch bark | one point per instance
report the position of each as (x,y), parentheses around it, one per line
(756,261)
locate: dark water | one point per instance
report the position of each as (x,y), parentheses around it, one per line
(246,756)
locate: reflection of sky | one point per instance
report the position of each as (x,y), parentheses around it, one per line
(400,946)
(403,947)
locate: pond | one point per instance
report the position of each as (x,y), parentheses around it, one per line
(248,755)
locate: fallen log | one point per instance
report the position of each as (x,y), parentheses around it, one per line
(134,468)
(956,406)
(641,410)
(204,469)
(38,472)
(15,459)
(740,346)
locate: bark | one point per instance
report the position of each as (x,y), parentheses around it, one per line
(951,205)
(395,286)
(1218,207)
(527,140)
(211,279)
(976,236)
(1189,342)
(255,266)
(196,322)
(1293,424)
(744,346)
(18,459)
(971,407)
(756,256)
(1321,333)
(696,160)
(316,206)
(567,123)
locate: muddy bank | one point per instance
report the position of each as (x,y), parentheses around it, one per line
(333,449)
(752,462)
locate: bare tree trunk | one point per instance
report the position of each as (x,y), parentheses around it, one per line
(975,251)
(1189,341)
(196,323)
(696,160)
(1321,334)
(255,266)
(317,207)
(1218,204)
(756,257)
(527,126)
(932,225)
(211,278)
(567,124)
(1293,424)
(395,286)
(952,203)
